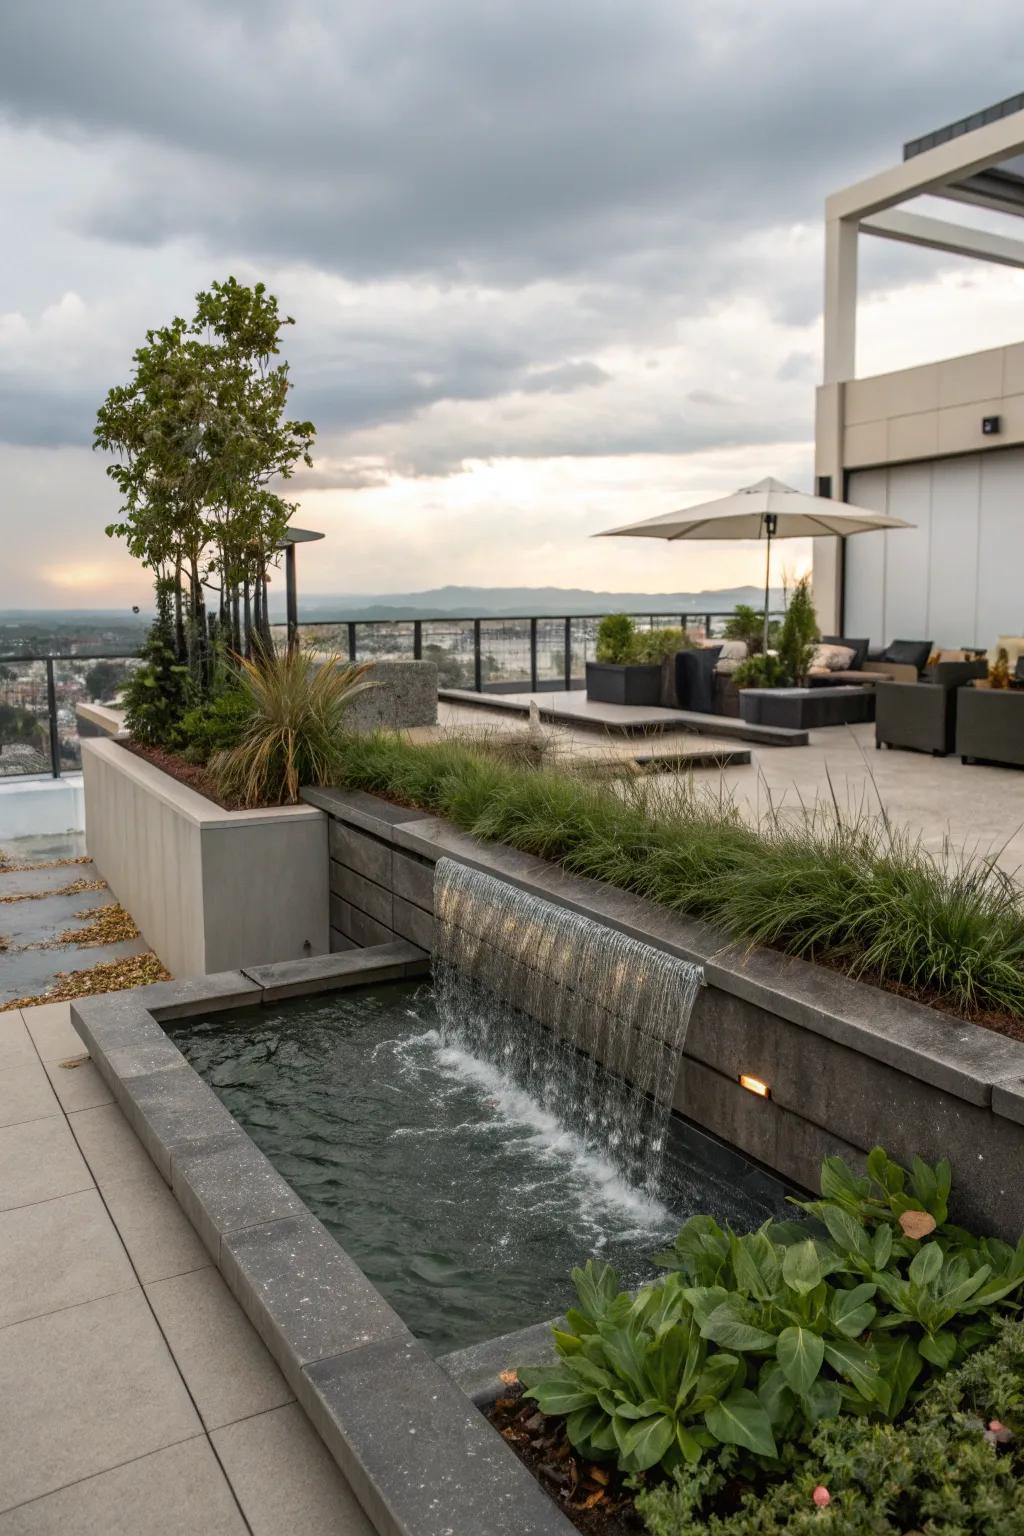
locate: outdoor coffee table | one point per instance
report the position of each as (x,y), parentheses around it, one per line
(807,708)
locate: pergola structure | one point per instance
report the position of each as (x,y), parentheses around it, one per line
(861,424)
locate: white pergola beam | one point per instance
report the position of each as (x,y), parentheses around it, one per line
(940,235)
(958,158)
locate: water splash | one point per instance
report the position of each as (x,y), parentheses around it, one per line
(587,1021)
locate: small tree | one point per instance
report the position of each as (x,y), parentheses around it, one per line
(615,637)
(104,679)
(746,624)
(157,696)
(798,633)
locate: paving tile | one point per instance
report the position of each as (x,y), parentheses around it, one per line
(94,1386)
(109,1145)
(39,1160)
(158,1236)
(177,1492)
(58,1254)
(226,1368)
(25,1093)
(51,1028)
(15,1040)
(284,1478)
(77,1083)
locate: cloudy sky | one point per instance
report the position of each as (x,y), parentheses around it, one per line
(553,265)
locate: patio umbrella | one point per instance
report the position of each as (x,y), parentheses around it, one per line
(768,510)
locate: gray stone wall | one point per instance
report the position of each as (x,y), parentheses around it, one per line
(848,1066)
(404,695)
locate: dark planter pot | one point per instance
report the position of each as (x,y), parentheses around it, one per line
(609,683)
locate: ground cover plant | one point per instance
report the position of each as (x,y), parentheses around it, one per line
(765,1366)
(851,891)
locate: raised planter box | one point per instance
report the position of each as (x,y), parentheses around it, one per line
(609,683)
(807,708)
(848,1065)
(210,890)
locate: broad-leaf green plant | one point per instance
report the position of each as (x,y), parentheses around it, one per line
(751,1340)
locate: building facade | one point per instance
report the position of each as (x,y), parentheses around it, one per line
(942,445)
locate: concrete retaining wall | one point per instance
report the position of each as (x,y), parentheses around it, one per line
(848,1065)
(211,890)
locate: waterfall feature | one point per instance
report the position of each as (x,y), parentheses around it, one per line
(585,1019)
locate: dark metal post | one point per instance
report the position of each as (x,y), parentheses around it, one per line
(51,709)
(291,596)
(417,639)
(351,641)
(478,661)
(568,654)
(533,655)
(707,626)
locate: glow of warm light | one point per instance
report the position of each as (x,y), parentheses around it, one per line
(74,577)
(754,1085)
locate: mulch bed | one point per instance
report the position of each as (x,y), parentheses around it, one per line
(195,775)
(591,1495)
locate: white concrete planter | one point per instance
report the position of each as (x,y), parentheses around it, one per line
(211,890)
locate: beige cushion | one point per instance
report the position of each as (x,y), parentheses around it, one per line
(833,658)
(951,656)
(1013,645)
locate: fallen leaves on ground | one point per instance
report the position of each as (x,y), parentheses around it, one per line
(107,976)
(9,867)
(74,888)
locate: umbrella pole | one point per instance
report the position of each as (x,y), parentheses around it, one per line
(769,525)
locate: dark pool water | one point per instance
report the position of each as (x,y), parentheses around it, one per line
(459,1197)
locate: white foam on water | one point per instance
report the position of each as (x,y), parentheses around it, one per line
(599,1179)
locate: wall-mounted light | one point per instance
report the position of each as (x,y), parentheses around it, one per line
(991,425)
(754,1085)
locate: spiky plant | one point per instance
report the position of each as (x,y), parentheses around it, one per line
(296,726)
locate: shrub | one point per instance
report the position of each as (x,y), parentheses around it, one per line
(654,645)
(942,1470)
(799,632)
(157,695)
(296,705)
(751,1341)
(746,624)
(763,671)
(215,726)
(615,636)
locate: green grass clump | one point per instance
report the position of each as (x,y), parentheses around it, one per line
(846,889)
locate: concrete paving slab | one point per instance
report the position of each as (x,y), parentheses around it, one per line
(57,1254)
(15,1041)
(109,1146)
(41,917)
(95,1387)
(180,1491)
(160,1239)
(77,1083)
(39,1160)
(284,1478)
(226,1368)
(25,1093)
(52,1031)
(40,881)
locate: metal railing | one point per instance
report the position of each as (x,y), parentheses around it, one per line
(506,654)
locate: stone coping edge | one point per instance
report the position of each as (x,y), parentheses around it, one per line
(946,1052)
(416,1451)
(185,802)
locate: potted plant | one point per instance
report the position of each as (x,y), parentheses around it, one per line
(616,677)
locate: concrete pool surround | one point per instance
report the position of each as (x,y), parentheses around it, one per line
(418,1454)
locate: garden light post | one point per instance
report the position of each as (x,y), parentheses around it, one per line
(288,541)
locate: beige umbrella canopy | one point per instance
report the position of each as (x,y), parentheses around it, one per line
(768,510)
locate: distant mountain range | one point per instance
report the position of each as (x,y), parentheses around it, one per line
(519,602)
(439,602)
